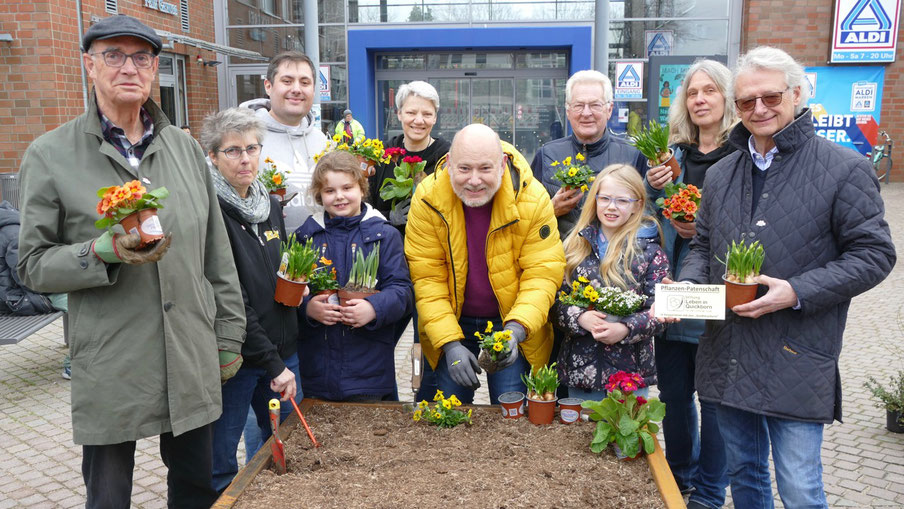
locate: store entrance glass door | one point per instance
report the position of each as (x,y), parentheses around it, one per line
(466,101)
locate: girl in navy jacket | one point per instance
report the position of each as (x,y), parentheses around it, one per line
(347,353)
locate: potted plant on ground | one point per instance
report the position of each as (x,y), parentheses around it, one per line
(362,278)
(653,142)
(407,175)
(272,178)
(574,174)
(541,393)
(681,202)
(615,303)
(892,399)
(624,419)
(445,412)
(295,267)
(742,263)
(494,346)
(134,207)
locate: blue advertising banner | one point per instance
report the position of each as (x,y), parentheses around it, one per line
(846,102)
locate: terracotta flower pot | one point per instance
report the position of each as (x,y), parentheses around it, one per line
(146,223)
(289,293)
(570,410)
(333,296)
(672,163)
(279,192)
(512,404)
(738,293)
(891,422)
(367,166)
(347,295)
(541,412)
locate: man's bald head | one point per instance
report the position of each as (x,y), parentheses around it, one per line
(480,137)
(476,164)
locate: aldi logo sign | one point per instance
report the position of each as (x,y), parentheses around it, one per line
(628,80)
(865,31)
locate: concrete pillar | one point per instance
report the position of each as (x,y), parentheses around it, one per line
(601,37)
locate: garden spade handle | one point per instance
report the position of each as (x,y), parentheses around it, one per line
(276,446)
(304,422)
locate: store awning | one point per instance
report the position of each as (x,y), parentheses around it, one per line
(219,48)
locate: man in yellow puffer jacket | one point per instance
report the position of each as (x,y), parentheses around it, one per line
(482,245)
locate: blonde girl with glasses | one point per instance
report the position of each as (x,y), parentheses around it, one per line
(614,243)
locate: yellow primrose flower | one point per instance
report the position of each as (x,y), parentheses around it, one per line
(497,335)
(497,347)
(584,280)
(439,396)
(572,172)
(507,334)
(591,179)
(594,298)
(575,285)
(423,404)
(337,138)
(437,415)
(454,399)
(368,143)
(588,291)
(579,156)
(489,326)
(554,163)
(584,188)
(478,335)
(562,295)
(344,146)
(567,161)
(447,404)
(417,415)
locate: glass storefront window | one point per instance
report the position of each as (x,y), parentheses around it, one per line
(551,60)
(691,37)
(386,116)
(671,9)
(329,11)
(395,62)
(264,12)
(268,41)
(535,10)
(332,44)
(403,11)
(539,113)
(330,115)
(470,61)
(338,82)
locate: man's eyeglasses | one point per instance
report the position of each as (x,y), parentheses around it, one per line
(596,107)
(116,58)
(236,152)
(770,100)
(620,203)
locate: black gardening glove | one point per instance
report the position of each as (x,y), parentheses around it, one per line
(398,215)
(518,335)
(462,364)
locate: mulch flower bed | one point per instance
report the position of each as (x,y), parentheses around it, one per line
(374,457)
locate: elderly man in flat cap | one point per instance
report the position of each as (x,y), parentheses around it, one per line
(154,330)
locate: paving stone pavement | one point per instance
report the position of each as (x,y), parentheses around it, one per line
(863,463)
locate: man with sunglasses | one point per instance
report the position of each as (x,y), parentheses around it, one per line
(588,106)
(771,366)
(146,324)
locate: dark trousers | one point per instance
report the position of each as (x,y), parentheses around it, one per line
(107,470)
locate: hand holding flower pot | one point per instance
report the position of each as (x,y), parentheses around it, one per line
(624,419)
(541,394)
(295,268)
(132,206)
(653,142)
(494,346)
(742,264)
(612,301)
(574,174)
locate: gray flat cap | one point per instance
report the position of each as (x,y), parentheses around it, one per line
(121,26)
(346,112)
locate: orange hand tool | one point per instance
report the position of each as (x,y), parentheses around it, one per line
(304,422)
(277,446)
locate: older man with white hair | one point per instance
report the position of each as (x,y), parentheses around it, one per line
(482,246)
(772,365)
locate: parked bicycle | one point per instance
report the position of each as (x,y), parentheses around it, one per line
(881,157)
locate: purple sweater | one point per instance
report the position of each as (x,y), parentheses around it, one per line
(480,300)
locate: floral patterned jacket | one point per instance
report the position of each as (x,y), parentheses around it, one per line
(586,363)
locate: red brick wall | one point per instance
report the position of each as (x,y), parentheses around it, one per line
(804,29)
(42,86)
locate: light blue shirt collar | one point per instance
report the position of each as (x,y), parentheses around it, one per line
(761,162)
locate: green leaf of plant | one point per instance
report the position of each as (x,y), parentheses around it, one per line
(627,425)
(648,444)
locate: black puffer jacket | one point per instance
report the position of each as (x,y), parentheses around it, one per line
(272,328)
(610,149)
(15,298)
(821,221)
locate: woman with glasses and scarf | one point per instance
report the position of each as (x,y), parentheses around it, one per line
(254,223)
(700,118)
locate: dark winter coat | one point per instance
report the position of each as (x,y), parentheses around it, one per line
(587,363)
(338,361)
(15,298)
(610,149)
(272,327)
(821,221)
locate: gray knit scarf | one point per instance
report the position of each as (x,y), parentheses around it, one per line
(254,209)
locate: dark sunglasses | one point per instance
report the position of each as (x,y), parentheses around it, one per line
(770,100)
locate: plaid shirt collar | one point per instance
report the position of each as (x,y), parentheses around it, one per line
(117,137)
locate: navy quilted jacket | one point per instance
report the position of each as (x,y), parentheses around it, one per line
(821,220)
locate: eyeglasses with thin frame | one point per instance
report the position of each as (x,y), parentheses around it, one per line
(620,203)
(116,58)
(596,107)
(770,100)
(236,152)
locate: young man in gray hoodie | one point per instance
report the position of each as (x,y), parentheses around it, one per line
(292,140)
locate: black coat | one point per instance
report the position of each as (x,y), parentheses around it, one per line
(272,328)
(821,221)
(14,297)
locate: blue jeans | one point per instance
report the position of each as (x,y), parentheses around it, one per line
(577,392)
(248,386)
(795,451)
(695,453)
(508,379)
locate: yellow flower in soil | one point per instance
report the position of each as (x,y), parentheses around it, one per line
(417,415)
(437,415)
(497,347)
(447,404)
(489,327)
(439,396)
(584,280)
(572,172)
(423,404)
(454,399)
(469,413)
(579,156)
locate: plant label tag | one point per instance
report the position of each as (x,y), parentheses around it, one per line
(284,263)
(685,300)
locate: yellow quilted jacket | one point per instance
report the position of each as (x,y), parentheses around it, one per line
(524,256)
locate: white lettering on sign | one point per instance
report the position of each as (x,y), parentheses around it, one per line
(160,5)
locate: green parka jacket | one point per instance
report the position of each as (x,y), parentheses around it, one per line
(143,339)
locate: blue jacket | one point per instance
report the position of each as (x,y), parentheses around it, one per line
(337,361)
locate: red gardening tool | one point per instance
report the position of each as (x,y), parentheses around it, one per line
(276,446)
(304,422)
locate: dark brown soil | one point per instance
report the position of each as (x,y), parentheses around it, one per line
(379,458)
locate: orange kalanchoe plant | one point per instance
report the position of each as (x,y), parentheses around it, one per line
(118,202)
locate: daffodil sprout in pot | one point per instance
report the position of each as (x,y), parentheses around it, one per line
(541,393)
(134,207)
(653,142)
(295,268)
(742,263)
(362,278)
